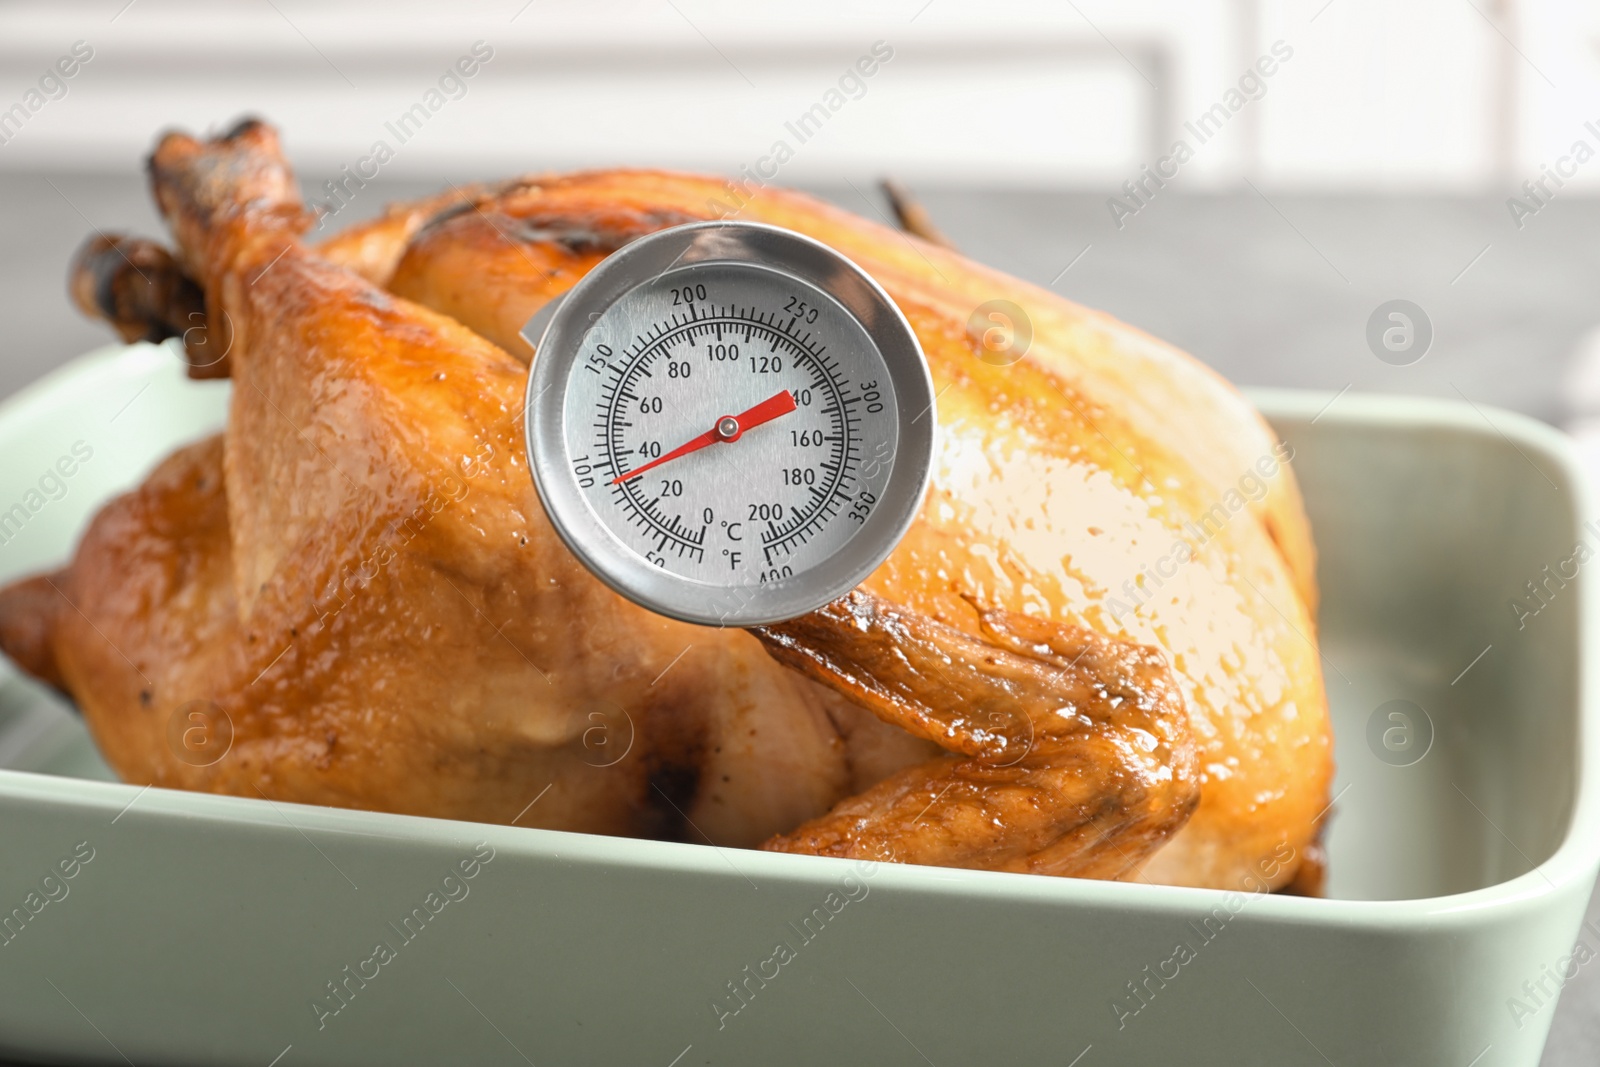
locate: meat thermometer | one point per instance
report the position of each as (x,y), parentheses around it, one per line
(729,423)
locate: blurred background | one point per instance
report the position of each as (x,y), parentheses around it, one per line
(1252,181)
(1375,161)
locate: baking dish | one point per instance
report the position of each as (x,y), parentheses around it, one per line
(1463,848)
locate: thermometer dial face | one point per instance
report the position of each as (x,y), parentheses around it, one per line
(729,423)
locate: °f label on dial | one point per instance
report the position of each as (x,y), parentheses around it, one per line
(730,425)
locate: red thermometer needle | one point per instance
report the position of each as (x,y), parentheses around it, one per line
(728,429)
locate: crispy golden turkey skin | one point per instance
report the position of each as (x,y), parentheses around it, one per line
(1092,655)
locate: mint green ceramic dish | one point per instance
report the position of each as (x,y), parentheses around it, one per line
(216,930)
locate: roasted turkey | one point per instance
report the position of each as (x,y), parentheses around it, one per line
(1093,655)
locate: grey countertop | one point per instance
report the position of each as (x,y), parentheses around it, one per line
(1272,289)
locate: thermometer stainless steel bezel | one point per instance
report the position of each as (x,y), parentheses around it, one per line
(558,334)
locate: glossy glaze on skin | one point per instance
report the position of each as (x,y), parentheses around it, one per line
(464,674)
(1070,752)
(1060,478)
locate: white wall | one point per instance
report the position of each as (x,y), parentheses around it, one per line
(1426,94)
